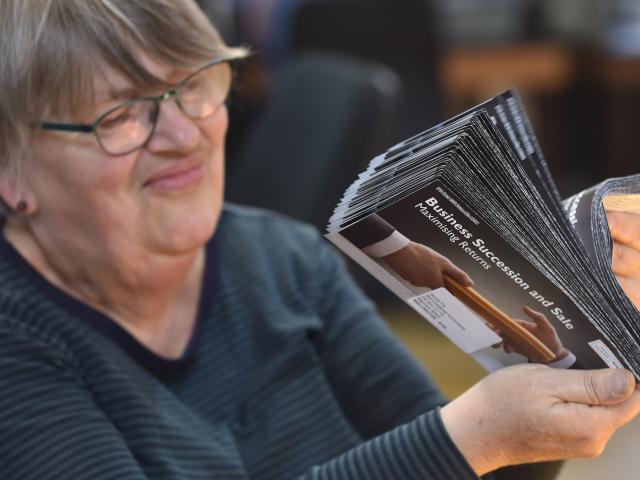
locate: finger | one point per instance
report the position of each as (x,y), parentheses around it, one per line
(539,318)
(625,411)
(531,326)
(594,387)
(631,288)
(492,327)
(509,346)
(625,228)
(458,274)
(607,417)
(625,260)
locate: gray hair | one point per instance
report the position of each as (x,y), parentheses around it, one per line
(52,51)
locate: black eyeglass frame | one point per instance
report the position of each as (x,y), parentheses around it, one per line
(172,93)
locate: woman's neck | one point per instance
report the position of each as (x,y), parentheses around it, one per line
(154,297)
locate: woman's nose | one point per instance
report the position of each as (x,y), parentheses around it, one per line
(174,130)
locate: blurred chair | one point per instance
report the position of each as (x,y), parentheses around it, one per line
(401,34)
(328,116)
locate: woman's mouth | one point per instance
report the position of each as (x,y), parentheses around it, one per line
(176,178)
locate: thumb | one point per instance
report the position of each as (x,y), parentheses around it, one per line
(597,387)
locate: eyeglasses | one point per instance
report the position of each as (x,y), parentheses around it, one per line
(130,125)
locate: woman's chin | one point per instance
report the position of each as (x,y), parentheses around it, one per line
(181,224)
(185,233)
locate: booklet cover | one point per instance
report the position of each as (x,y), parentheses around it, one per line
(464,223)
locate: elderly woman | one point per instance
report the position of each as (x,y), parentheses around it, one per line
(148,331)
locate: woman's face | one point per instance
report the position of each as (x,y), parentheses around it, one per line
(163,198)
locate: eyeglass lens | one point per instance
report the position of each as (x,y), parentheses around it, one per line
(129,126)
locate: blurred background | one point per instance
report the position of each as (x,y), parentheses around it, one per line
(332,83)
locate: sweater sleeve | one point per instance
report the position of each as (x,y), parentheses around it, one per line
(49,425)
(420,449)
(383,391)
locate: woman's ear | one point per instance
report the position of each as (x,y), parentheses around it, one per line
(16,195)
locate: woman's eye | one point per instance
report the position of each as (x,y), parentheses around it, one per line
(116,119)
(194,85)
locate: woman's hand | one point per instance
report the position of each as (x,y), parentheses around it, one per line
(423,267)
(625,258)
(532,413)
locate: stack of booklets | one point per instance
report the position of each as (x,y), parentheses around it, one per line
(475,192)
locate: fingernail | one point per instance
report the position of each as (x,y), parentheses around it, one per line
(619,382)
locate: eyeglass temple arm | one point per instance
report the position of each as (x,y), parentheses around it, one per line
(67,127)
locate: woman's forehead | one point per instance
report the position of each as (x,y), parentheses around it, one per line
(111,83)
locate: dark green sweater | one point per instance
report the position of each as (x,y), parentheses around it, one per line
(289,374)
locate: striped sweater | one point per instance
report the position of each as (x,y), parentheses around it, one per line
(289,374)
